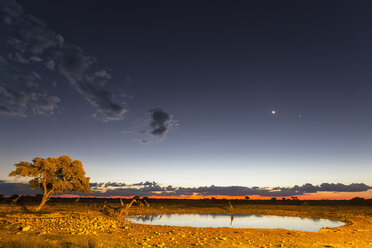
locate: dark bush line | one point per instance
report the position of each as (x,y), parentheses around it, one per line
(358,201)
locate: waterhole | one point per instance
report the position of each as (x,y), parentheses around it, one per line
(237,221)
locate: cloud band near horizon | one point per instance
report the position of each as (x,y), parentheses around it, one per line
(146,189)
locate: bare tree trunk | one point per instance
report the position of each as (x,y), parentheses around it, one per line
(42,203)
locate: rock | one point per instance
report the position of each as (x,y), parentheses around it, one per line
(26,228)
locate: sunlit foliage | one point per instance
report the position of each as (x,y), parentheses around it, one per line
(54,175)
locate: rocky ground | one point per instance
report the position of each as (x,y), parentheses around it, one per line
(83,225)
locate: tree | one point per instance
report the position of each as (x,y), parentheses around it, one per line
(358,199)
(54,175)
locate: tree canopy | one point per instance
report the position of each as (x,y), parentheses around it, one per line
(54,175)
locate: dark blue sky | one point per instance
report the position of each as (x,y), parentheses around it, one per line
(182,92)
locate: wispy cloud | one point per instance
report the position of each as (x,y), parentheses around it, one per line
(24,95)
(76,66)
(32,46)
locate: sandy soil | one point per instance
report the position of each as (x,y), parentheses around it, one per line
(71,224)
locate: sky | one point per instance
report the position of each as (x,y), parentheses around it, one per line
(190,93)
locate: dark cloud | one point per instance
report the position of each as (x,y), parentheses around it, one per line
(145,184)
(75,65)
(160,122)
(28,42)
(114,184)
(153,189)
(51,65)
(95,185)
(6,110)
(339,187)
(7,188)
(31,36)
(19,98)
(17,57)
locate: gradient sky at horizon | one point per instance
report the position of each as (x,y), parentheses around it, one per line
(219,68)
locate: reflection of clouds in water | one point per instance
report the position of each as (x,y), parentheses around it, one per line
(239,221)
(333,221)
(146,217)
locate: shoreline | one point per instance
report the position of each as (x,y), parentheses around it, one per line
(88,223)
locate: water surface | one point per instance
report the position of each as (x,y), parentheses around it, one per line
(237,221)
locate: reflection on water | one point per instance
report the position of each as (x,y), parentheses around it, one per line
(237,221)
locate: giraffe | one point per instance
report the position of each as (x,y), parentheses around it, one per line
(106,206)
(140,204)
(123,210)
(146,203)
(14,201)
(231,207)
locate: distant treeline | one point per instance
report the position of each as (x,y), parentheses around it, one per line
(23,199)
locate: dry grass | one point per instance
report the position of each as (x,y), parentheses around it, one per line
(99,230)
(61,241)
(57,242)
